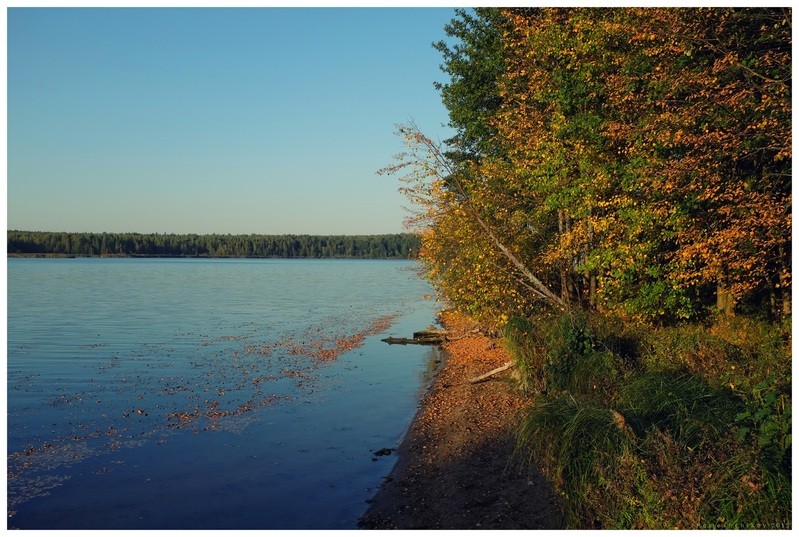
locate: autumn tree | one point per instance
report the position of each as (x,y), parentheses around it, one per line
(708,125)
(636,160)
(467,250)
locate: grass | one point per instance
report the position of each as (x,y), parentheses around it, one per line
(517,335)
(680,403)
(640,427)
(584,449)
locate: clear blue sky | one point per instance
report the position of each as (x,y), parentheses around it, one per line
(269,120)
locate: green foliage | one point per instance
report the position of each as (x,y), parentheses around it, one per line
(760,351)
(589,355)
(586,449)
(736,352)
(635,160)
(637,163)
(170,245)
(746,495)
(767,421)
(474,66)
(651,427)
(573,361)
(680,403)
(517,338)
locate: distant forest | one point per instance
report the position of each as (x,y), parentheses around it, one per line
(396,246)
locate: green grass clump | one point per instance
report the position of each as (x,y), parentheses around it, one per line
(680,403)
(583,447)
(678,427)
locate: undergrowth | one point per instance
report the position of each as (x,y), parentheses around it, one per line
(642,427)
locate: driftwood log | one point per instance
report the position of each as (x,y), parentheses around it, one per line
(493,372)
(419,338)
(434,337)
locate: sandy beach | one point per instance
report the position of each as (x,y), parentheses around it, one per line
(455,467)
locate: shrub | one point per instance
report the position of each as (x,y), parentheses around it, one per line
(586,355)
(527,356)
(567,340)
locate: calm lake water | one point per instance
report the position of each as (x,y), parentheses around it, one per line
(183,393)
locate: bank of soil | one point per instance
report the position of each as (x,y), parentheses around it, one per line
(455,467)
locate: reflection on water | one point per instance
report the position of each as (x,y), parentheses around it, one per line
(207,393)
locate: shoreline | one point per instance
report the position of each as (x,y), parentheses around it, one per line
(455,467)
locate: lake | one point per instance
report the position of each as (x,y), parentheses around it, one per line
(208,393)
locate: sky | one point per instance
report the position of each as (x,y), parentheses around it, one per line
(250,120)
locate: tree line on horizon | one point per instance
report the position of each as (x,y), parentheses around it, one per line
(387,246)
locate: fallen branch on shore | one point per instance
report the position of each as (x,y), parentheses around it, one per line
(419,338)
(499,369)
(428,337)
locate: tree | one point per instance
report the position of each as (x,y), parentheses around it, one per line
(629,159)
(474,65)
(714,143)
(461,196)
